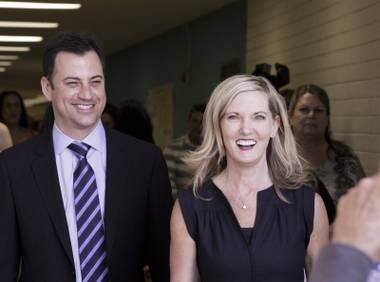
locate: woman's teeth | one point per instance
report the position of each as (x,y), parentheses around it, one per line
(246,143)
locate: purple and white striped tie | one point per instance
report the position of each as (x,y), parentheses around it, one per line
(91,245)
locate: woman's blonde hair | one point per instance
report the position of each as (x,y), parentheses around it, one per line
(285,165)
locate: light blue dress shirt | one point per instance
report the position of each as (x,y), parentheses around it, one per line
(66,163)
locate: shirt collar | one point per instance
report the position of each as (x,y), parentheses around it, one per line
(96,139)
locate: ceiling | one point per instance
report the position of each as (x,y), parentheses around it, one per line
(116,23)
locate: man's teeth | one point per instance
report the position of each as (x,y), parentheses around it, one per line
(246,142)
(83,107)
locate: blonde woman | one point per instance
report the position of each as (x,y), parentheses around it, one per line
(250,215)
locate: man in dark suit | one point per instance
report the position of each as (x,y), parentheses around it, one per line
(80,202)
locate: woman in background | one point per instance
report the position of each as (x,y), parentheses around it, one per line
(333,161)
(110,116)
(250,215)
(13,114)
(134,120)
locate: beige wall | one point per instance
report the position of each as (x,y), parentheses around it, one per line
(332,43)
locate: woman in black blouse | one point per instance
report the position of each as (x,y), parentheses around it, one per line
(250,215)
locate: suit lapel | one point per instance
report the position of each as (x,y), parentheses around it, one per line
(45,171)
(116,162)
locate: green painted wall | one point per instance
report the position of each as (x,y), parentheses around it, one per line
(202,47)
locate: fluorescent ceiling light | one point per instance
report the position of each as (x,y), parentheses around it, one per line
(14,49)
(9,57)
(14,38)
(2,69)
(39,5)
(28,24)
(5,64)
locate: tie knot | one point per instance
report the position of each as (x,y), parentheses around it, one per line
(79,148)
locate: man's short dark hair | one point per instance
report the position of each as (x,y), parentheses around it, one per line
(71,42)
(197,108)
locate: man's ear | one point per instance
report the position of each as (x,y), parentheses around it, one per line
(276,125)
(46,87)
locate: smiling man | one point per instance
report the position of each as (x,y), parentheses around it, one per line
(80,202)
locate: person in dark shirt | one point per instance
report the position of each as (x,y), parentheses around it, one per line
(251,215)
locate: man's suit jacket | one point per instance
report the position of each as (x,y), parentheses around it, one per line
(33,224)
(341,263)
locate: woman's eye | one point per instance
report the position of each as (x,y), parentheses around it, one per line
(319,110)
(232,117)
(260,117)
(304,110)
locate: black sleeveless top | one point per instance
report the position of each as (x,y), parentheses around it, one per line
(277,248)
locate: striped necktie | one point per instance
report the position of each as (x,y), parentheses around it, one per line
(90,231)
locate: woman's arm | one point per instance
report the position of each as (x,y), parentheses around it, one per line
(183,265)
(320,234)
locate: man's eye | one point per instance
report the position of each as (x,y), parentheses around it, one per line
(96,82)
(72,83)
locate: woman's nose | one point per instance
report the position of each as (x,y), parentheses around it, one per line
(311,113)
(246,126)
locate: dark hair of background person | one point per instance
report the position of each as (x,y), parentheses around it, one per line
(47,120)
(23,122)
(341,150)
(77,43)
(113,112)
(279,80)
(197,108)
(287,94)
(134,120)
(321,189)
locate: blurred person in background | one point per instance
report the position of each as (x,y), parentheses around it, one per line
(110,116)
(287,94)
(13,114)
(134,120)
(179,173)
(334,162)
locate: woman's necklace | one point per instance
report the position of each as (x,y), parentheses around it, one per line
(244,204)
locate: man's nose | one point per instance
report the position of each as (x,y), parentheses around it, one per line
(85,91)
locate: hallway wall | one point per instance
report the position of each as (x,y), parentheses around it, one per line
(331,43)
(198,49)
